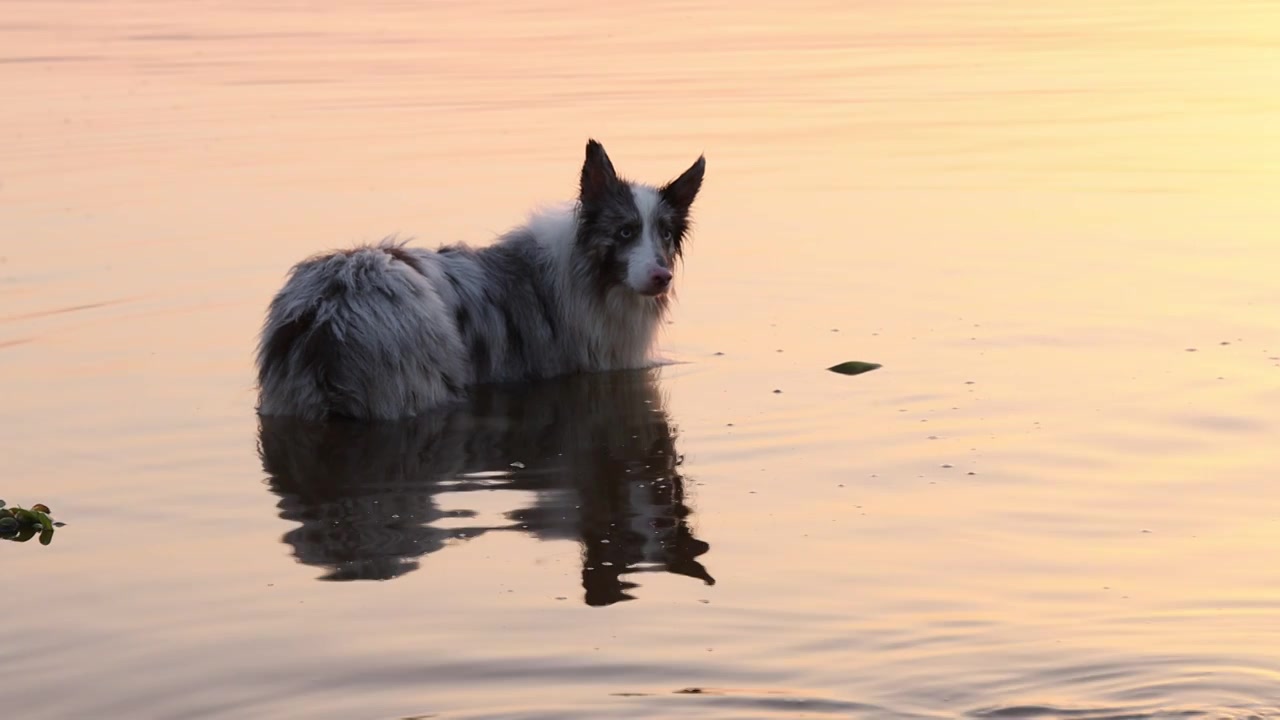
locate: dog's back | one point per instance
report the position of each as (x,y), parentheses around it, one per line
(388,331)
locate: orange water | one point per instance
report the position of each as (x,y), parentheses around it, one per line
(1054,223)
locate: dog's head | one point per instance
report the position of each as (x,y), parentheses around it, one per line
(633,233)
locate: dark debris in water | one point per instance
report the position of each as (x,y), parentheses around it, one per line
(782,701)
(854,367)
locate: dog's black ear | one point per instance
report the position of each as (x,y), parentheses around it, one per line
(598,176)
(679,193)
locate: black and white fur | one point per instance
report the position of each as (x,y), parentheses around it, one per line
(388,331)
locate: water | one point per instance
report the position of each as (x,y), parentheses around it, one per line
(1054,224)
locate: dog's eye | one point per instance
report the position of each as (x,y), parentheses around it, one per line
(626,233)
(667,234)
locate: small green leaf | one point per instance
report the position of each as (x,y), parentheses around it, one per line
(44,521)
(854,367)
(1,503)
(8,525)
(46,536)
(26,517)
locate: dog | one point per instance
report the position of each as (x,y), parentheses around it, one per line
(387,331)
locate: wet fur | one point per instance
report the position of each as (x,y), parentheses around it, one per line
(389,331)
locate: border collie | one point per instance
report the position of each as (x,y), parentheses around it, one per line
(386,331)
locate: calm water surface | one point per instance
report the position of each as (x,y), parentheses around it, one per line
(1054,223)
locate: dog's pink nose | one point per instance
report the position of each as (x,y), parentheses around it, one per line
(660,277)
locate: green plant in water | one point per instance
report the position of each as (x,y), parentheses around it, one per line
(21,524)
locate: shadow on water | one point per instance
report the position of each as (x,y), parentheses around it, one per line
(597,452)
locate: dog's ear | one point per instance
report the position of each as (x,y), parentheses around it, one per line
(598,176)
(679,193)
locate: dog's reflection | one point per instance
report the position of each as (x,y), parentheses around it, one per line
(595,452)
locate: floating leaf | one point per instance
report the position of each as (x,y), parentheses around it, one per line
(854,367)
(26,517)
(20,524)
(1,503)
(44,521)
